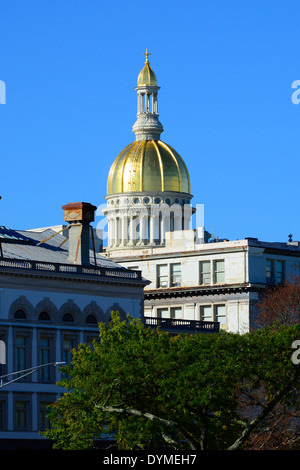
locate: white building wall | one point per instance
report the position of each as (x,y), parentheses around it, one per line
(245,265)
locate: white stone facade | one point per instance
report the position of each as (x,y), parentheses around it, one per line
(217,281)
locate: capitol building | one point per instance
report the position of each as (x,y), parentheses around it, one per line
(58,283)
(193,277)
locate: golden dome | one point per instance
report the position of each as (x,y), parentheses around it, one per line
(148,165)
(147,76)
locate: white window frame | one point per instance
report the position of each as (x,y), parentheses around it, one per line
(215,272)
(201,277)
(158,276)
(213,307)
(172,283)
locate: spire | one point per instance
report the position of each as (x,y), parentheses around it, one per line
(147,54)
(147,126)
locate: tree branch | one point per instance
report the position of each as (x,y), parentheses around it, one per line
(152,417)
(263,414)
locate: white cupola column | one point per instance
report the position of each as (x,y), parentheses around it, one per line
(152,230)
(124,237)
(143,228)
(132,230)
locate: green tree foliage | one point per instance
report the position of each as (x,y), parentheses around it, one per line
(150,389)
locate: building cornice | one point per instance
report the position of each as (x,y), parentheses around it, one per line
(204,250)
(202,290)
(78,273)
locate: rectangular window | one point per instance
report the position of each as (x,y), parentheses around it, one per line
(269,271)
(68,345)
(176,274)
(279,271)
(219,271)
(89,340)
(21,354)
(44,421)
(162,275)
(176,313)
(205,313)
(163,313)
(220,314)
(2,415)
(22,409)
(44,358)
(204,272)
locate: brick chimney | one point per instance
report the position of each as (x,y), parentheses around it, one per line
(79,215)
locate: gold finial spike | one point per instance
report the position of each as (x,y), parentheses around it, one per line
(147,54)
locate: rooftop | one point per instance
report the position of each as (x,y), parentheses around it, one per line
(47,251)
(186,243)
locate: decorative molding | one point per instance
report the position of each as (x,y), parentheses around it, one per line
(70,307)
(21,303)
(46,305)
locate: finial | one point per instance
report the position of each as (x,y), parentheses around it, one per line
(147,54)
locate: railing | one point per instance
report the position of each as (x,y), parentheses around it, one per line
(172,324)
(68,268)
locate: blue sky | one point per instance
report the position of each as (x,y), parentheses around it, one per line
(225,69)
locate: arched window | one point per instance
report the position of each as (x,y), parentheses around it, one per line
(68,317)
(44,316)
(91,319)
(20,314)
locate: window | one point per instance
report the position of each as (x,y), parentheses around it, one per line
(176,274)
(45,356)
(68,317)
(204,272)
(44,316)
(219,271)
(20,315)
(44,421)
(162,275)
(220,314)
(21,358)
(91,319)
(269,271)
(176,313)
(3,414)
(22,410)
(89,340)
(205,313)
(279,271)
(163,313)
(68,345)
(173,312)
